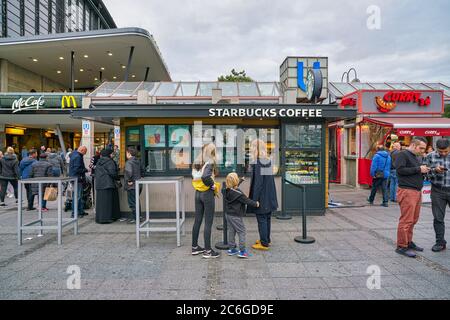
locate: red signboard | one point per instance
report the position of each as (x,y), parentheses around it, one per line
(424,132)
(391,99)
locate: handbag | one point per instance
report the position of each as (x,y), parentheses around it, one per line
(379,174)
(51,194)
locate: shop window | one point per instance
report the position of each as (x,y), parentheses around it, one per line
(303,153)
(351,141)
(133,139)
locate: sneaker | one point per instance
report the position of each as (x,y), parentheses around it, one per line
(259,242)
(211,254)
(44,210)
(244,254)
(198,250)
(370,202)
(406,252)
(439,247)
(31,209)
(260,247)
(233,252)
(3,205)
(385,205)
(131,221)
(414,247)
(123,220)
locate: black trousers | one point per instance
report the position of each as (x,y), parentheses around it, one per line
(440,199)
(132,202)
(30,196)
(264,228)
(204,207)
(4,188)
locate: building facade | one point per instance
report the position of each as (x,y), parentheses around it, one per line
(21,18)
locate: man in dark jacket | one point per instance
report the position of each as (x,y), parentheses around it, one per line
(133,172)
(9,173)
(410,184)
(25,173)
(380,170)
(39,169)
(78,170)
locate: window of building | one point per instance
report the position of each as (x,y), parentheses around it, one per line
(351,141)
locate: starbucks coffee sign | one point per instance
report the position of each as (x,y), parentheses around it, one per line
(30,103)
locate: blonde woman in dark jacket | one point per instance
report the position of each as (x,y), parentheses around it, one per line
(205,168)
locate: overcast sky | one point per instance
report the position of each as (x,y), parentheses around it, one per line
(202,39)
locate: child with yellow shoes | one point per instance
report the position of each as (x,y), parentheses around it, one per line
(236,202)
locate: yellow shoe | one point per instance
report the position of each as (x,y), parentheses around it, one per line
(259,246)
(259,242)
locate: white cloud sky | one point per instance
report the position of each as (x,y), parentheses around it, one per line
(203,39)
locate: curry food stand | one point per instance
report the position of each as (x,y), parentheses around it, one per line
(38,225)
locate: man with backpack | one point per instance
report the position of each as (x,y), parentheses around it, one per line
(380,171)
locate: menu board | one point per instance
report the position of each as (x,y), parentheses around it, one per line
(155,136)
(179,136)
(133,136)
(303,136)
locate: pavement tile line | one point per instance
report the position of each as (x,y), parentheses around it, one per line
(429,263)
(41,245)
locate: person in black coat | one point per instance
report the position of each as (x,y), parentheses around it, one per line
(107,208)
(9,173)
(262,190)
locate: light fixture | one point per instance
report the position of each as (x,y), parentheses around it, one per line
(114,78)
(61,58)
(95,79)
(76,81)
(133,76)
(35,60)
(102,68)
(81,70)
(58,72)
(86,56)
(123,67)
(110,54)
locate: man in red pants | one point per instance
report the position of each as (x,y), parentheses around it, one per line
(410,183)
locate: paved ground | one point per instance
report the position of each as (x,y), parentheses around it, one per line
(349,240)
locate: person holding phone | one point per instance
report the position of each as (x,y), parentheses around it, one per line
(439,164)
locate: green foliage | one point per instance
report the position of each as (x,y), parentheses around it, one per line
(236,76)
(447,111)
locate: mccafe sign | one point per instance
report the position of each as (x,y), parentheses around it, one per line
(30,103)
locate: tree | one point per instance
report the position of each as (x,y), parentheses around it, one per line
(236,77)
(447,111)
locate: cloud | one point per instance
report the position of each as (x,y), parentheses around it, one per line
(202,39)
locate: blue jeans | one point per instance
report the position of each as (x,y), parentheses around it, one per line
(80,200)
(393,180)
(264,226)
(377,183)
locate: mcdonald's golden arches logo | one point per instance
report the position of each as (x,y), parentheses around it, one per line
(69,102)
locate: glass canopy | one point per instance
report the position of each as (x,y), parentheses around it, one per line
(189,89)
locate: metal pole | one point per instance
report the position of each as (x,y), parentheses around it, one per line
(130,58)
(137,214)
(72,71)
(147,210)
(76,221)
(19,215)
(146,74)
(61,139)
(177,187)
(224,244)
(304,239)
(59,214)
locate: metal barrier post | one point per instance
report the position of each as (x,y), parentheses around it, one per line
(304,239)
(224,244)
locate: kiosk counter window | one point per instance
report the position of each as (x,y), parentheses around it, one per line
(170,149)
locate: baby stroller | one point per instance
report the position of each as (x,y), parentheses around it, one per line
(87,195)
